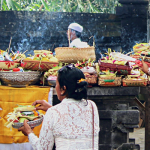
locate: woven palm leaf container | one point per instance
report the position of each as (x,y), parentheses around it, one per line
(140,47)
(91,78)
(136,82)
(147,59)
(72,55)
(109,81)
(148,80)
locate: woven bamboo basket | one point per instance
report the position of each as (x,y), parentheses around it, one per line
(91,79)
(38,65)
(140,47)
(121,69)
(72,55)
(136,82)
(148,80)
(147,59)
(109,81)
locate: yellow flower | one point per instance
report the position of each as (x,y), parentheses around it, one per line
(81,80)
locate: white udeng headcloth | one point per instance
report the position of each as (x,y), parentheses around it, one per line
(76,27)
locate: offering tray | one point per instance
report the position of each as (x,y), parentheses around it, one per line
(32,124)
(51,82)
(19,79)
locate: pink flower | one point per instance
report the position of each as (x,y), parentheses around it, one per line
(114,61)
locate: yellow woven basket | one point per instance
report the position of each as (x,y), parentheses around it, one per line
(140,47)
(42,52)
(109,81)
(131,82)
(72,55)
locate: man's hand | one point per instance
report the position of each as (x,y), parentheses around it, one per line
(44,105)
(144,67)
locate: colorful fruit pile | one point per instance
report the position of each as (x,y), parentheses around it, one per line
(42,55)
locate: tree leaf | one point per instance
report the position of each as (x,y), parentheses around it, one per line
(45,5)
(17,5)
(4,6)
(11,5)
(89,6)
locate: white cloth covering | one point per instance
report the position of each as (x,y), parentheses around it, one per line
(16,146)
(78,43)
(69,124)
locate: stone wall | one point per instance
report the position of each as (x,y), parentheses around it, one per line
(134,16)
(47,30)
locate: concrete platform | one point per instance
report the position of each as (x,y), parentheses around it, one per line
(139,136)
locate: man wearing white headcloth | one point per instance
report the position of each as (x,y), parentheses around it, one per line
(74,34)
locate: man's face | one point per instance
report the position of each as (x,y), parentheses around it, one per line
(71,34)
(68,33)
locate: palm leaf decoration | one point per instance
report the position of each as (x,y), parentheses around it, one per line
(11,4)
(87,6)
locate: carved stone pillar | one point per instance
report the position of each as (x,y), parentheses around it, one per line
(133,15)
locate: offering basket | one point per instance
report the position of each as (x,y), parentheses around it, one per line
(72,55)
(109,81)
(91,78)
(38,65)
(121,69)
(134,82)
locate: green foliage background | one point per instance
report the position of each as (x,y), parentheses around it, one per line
(89,6)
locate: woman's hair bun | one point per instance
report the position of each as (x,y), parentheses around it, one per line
(82,84)
(74,80)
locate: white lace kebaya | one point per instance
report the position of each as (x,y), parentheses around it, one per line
(68,124)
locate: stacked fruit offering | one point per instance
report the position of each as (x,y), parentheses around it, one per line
(42,55)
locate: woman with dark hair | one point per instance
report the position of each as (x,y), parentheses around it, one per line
(72,124)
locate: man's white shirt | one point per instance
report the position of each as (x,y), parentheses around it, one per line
(78,43)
